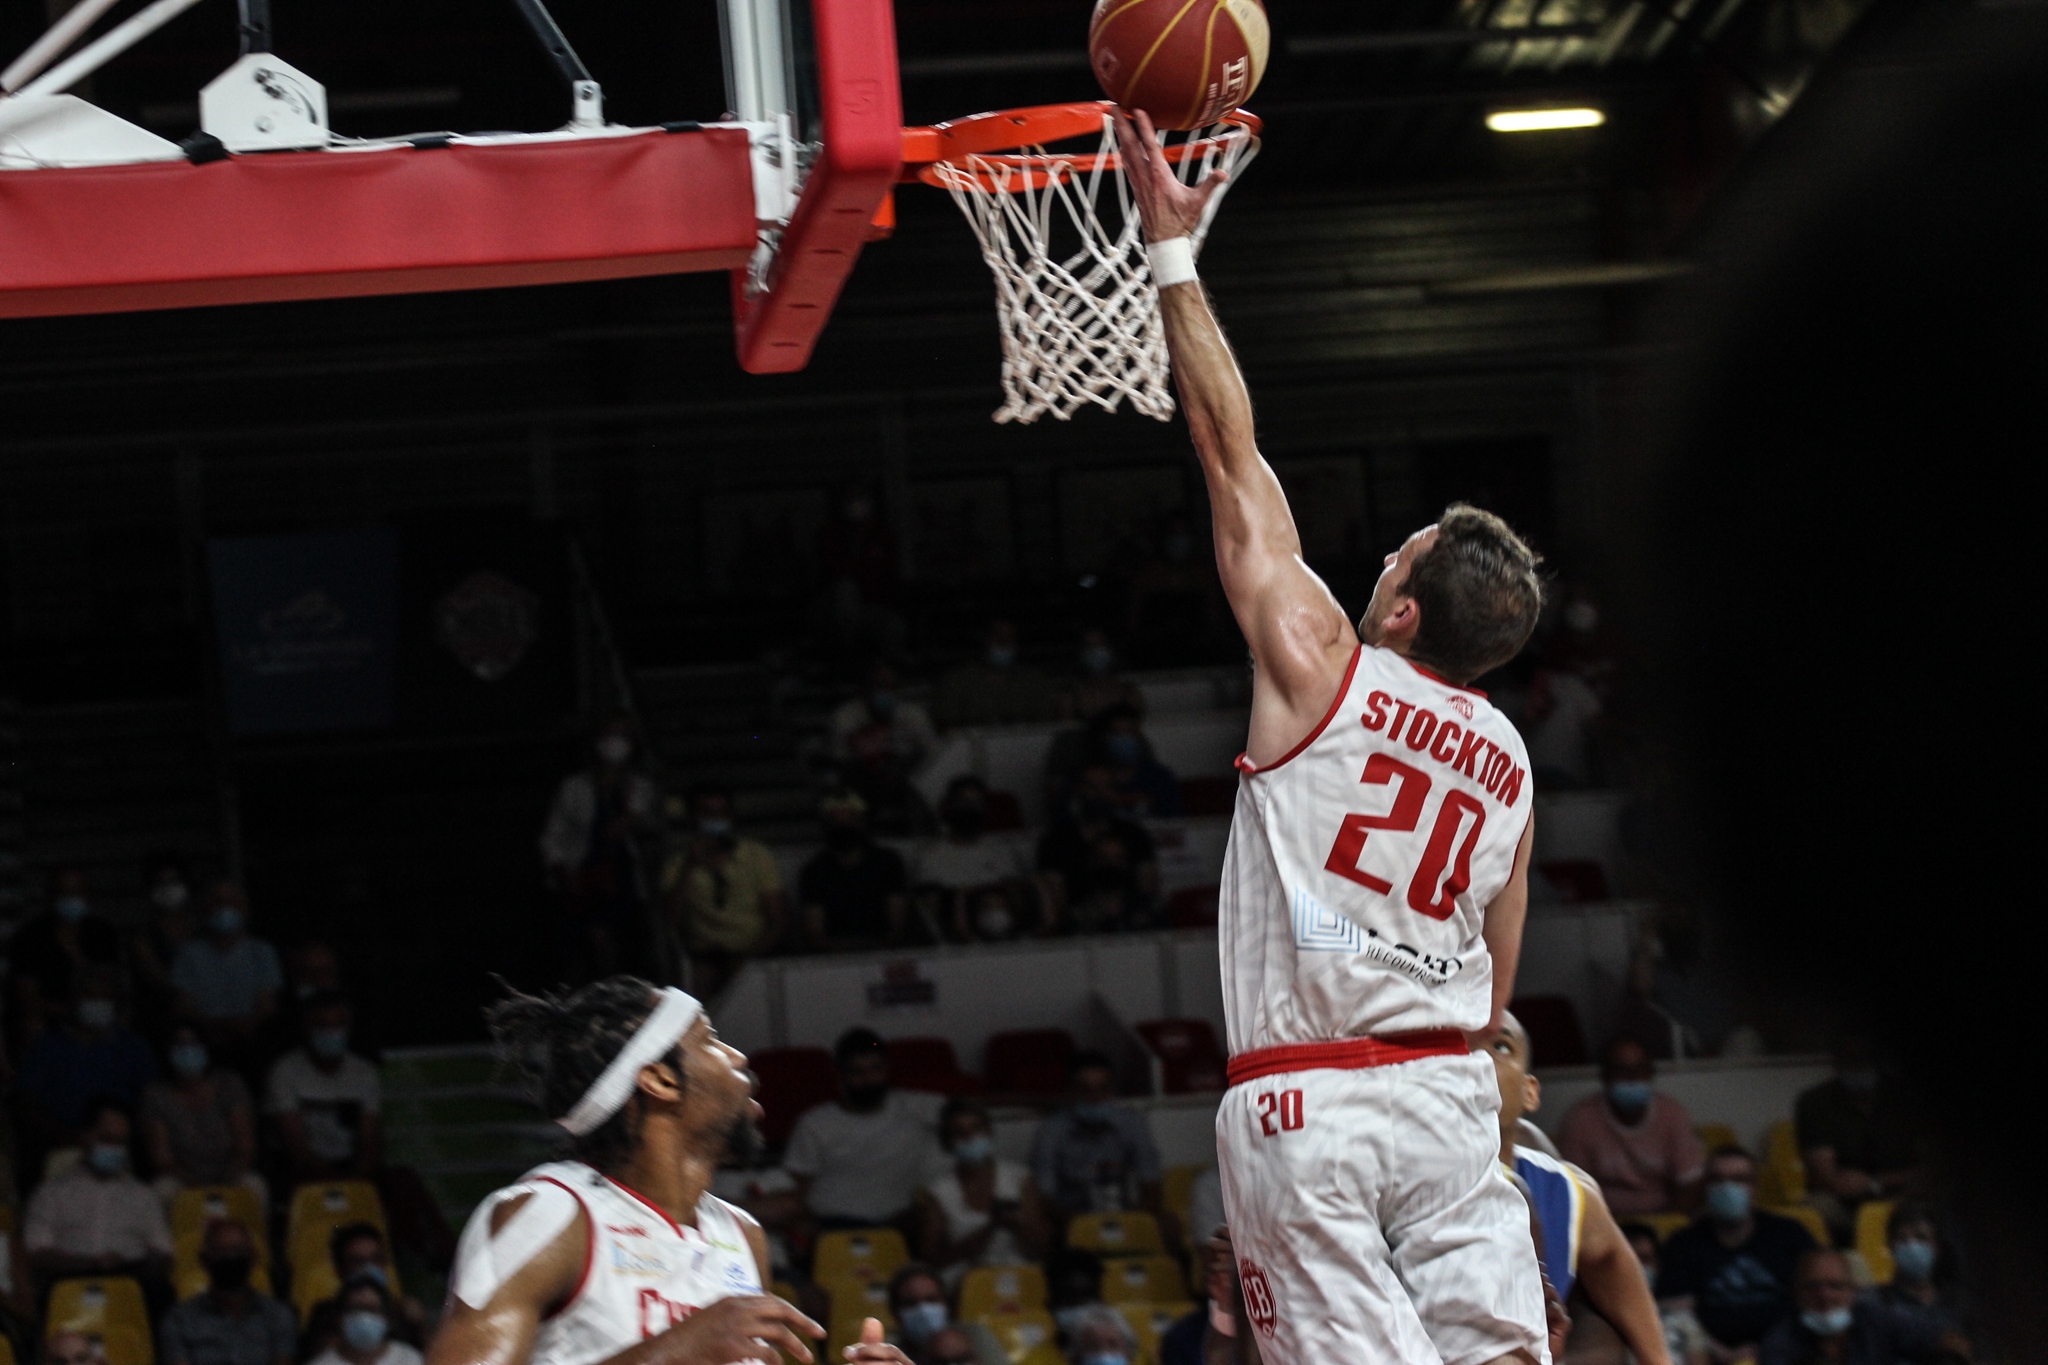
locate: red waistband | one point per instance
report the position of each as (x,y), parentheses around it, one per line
(1347,1054)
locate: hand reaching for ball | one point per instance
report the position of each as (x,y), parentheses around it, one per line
(1167,206)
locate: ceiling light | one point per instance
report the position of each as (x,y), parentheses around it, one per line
(1543,120)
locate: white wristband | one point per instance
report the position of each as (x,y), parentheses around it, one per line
(1173,261)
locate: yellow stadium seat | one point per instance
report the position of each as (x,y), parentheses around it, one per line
(1664,1223)
(1143,1279)
(192,1209)
(1151,1321)
(1047,1354)
(1177,1196)
(320,1207)
(862,1254)
(1116,1234)
(784,1290)
(854,1301)
(992,1289)
(188,1274)
(1807,1215)
(1871,1240)
(10,1221)
(108,1310)
(6,1350)
(1713,1135)
(1024,1336)
(1781,1179)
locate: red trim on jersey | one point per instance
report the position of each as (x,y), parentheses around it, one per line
(1347,1054)
(1435,678)
(1244,763)
(589,1250)
(681,1230)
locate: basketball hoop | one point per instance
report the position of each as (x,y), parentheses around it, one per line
(1074,295)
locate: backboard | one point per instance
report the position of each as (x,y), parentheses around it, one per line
(780,189)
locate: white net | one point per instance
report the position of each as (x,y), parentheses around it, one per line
(1074,296)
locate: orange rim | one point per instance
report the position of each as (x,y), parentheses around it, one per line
(992,139)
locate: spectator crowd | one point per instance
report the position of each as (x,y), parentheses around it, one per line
(185,1098)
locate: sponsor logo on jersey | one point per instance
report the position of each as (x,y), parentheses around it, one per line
(625,1232)
(1258,1297)
(1320,929)
(1462,705)
(650,1262)
(658,1314)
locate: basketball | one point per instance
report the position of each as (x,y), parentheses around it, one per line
(1184,62)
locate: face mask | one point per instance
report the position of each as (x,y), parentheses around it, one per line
(70,909)
(189,1060)
(363,1329)
(883,704)
(1914,1261)
(864,1099)
(1096,659)
(921,1320)
(1581,617)
(716,829)
(106,1158)
(328,1042)
(992,921)
(1069,1318)
(225,920)
(228,1273)
(1124,748)
(97,1015)
(614,749)
(1105,1358)
(170,895)
(1001,656)
(1093,1114)
(1629,1097)
(1831,1322)
(1727,1201)
(972,1151)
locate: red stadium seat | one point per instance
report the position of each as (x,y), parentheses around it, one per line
(928,1064)
(1188,1054)
(1552,1023)
(793,1079)
(1029,1061)
(1192,907)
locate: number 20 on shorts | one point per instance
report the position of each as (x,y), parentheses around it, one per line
(1281,1105)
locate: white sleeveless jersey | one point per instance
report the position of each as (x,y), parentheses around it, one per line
(1360,865)
(641,1273)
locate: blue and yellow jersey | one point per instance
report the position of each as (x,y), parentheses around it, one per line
(1559,1189)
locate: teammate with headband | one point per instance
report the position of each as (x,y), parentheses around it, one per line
(619,1254)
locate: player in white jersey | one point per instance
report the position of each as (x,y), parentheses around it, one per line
(621,1255)
(1372,899)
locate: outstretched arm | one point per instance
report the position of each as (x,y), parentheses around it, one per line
(1301,641)
(1614,1281)
(1505,915)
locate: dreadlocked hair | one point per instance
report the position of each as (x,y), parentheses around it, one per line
(559,1044)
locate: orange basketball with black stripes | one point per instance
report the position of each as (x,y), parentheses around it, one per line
(1184,62)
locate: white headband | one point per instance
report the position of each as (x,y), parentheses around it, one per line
(671,1019)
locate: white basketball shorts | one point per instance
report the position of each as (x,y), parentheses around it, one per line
(1371,1218)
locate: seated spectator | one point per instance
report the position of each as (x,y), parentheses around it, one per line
(1916,1260)
(87,1054)
(46,953)
(1685,1340)
(1098,1335)
(365,1329)
(860,1160)
(1639,1144)
(985,1210)
(1833,1325)
(878,740)
(853,891)
(995,689)
(1104,866)
(918,1300)
(1073,1282)
(1855,1138)
(199,1127)
(967,860)
(231,1323)
(169,922)
(1184,1342)
(17,1291)
(1140,783)
(999,914)
(72,1348)
(1096,686)
(725,893)
(1733,1266)
(326,1101)
(95,1217)
(1095,1155)
(226,980)
(357,1251)
(590,848)
(312,968)
(1558,719)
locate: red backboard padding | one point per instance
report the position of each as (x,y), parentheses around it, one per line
(298,225)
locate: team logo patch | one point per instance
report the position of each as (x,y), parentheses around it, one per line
(1258,1297)
(1462,705)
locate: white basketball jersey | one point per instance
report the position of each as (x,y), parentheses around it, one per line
(1360,865)
(642,1274)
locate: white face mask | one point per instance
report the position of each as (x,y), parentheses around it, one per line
(170,895)
(615,749)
